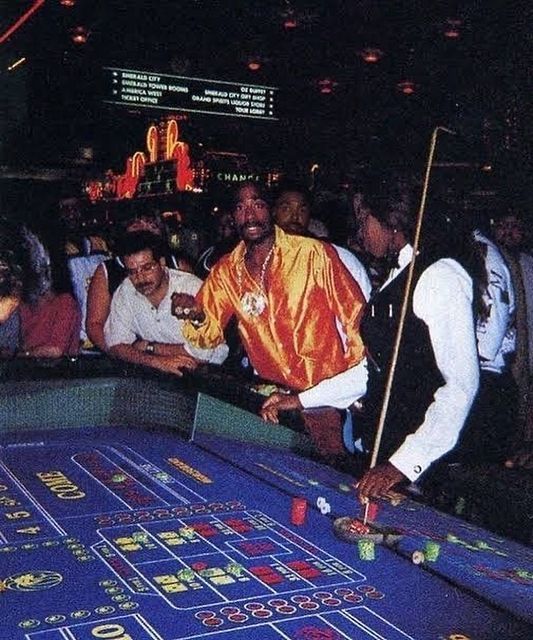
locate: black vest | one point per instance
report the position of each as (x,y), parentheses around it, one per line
(417,376)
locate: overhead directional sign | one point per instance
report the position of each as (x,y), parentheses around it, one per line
(167,92)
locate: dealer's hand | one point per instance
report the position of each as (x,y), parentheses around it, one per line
(279,402)
(378,481)
(184,307)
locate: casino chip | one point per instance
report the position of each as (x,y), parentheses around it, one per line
(417,557)
(323,505)
(118,477)
(186,575)
(432,551)
(187,532)
(234,569)
(366,549)
(481,544)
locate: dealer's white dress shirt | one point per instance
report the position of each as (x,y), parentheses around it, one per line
(442,298)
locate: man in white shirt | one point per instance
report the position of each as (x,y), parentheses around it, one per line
(437,373)
(141,328)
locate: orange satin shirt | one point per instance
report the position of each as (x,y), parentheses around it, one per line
(295,340)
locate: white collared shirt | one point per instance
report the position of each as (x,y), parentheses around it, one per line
(133,316)
(442,298)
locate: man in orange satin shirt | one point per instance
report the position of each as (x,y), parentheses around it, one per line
(287,292)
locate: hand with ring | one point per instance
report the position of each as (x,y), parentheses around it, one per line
(184,307)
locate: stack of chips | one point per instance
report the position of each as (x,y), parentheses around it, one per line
(432,551)
(298,511)
(366,549)
(187,532)
(372,511)
(460,505)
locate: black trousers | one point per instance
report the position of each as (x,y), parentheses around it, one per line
(488,434)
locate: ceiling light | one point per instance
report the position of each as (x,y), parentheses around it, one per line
(452,28)
(67,3)
(407,87)
(290,23)
(289,16)
(254,64)
(79,35)
(371,55)
(326,85)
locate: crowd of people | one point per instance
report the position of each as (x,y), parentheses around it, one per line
(431,348)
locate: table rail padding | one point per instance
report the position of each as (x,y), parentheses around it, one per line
(98,402)
(216,416)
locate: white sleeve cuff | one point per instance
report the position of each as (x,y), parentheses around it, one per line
(340,391)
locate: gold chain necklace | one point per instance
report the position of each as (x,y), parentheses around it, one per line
(253,303)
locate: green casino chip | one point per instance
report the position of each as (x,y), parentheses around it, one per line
(432,551)
(187,533)
(481,544)
(367,550)
(234,569)
(186,575)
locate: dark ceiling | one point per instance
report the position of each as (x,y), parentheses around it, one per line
(476,81)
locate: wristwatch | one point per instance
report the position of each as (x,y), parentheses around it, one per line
(150,348)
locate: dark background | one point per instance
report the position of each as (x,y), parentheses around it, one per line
(54,123)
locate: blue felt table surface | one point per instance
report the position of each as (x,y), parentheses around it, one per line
(493,567)
(134,533)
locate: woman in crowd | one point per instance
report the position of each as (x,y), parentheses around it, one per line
(50,320)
